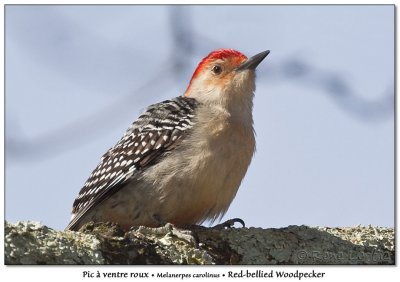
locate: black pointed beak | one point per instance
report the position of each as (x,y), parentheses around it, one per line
(253,62)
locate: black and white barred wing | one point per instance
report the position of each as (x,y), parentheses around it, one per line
(156,131)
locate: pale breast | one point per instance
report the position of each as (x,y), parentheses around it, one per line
(200,179)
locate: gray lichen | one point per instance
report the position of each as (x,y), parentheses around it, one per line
(173,246)
(33,243)
(106,243)
(306,245)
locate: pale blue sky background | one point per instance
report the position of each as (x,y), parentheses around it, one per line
(77,76)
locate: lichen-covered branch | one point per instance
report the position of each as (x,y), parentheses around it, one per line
(33,243)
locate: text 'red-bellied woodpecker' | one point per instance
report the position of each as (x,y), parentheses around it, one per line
(182,161)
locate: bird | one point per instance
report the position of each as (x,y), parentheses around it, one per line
(182,161)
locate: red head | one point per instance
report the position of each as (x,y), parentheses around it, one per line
(227,56)
(233,56)
(221,72)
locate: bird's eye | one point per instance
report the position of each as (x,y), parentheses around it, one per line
(216,69)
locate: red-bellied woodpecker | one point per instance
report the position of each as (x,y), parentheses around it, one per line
(182,161)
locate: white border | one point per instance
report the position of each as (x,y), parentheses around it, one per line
(74,273)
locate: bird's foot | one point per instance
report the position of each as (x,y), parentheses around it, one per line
(170,229)
(229,224)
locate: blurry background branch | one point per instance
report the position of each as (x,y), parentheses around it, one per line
(78,75)
(186,45)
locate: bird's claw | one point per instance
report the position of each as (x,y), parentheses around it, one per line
(230,224)
(169,228)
